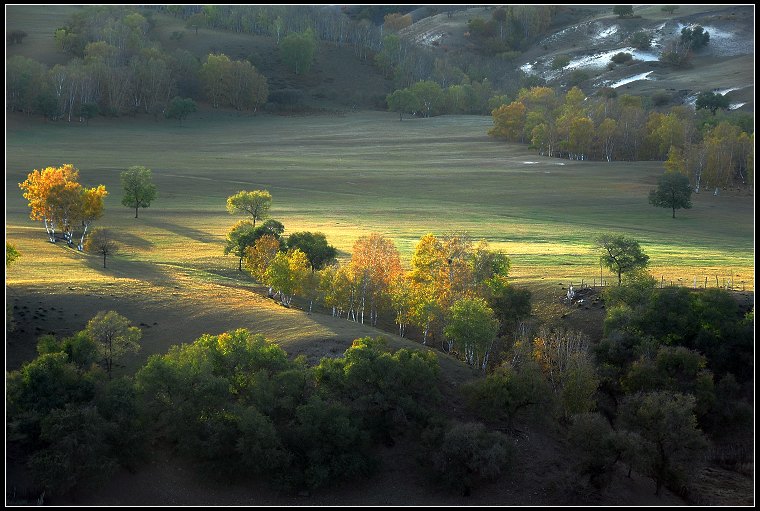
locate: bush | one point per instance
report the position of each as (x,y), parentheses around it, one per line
(593,438)
(641,41)
(560,61)
(463,454)
(577,77)
(661,98)
(621,58)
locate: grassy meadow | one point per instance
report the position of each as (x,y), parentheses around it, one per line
(347,176)
(351,175)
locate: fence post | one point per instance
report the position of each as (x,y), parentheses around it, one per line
(705,281)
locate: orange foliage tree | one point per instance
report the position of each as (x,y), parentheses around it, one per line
(58,199)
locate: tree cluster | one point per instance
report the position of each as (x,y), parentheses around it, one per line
(58,199)
(72,422)
(711,152)
(662,353)
(234,83)
(116,69)
(454,287)
(511,28)
(427,99)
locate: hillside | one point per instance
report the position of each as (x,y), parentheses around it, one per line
(590,35)
(587,35)
(339,163)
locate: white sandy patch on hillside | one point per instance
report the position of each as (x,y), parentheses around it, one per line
(624,81)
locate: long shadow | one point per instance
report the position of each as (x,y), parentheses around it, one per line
(132,241)
(118,267)
(180,230)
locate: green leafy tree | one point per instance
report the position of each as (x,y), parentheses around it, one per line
(621,254)
(560,61)
(241,236)
(677,369)
(430,95)
(472,330)
(88,110)
(297,51)
(403,101)
(114,337)
(670,442)
(212,75)
(179,108)
(244,234)
(11,254)
(670,9)
(673,191)
(391,392)
(139,190)
(328,443)
(695,37)
(77,452)
(509,391)
(314,245)
(592,436)
(287,273)
(641,40)
(712,101)
(255,203)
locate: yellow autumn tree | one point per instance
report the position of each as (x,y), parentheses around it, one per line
(58,199)
(375,262)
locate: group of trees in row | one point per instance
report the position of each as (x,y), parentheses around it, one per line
(454,287)
(150,82)
(63,205)
(116,69)
(710,151)
(427,99)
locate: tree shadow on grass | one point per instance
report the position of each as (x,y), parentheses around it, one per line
(132,241)
(118,267)
(181,230)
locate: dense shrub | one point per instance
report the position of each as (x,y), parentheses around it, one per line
(464,454)
(621,57)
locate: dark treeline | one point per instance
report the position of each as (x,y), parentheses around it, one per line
(116,69)
(404,62)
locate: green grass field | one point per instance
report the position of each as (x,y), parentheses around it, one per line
(351,175)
